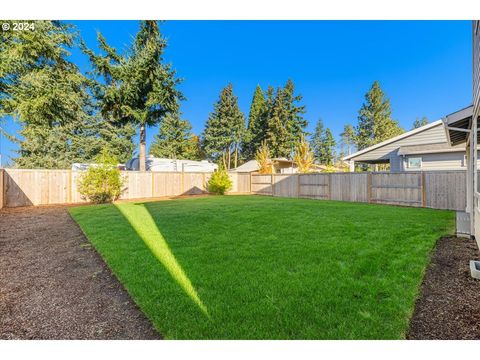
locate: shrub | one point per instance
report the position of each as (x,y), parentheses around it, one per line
(102,182)
(219,182)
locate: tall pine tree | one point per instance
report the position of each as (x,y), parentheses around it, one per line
(138,88)
(347,139)
(50,98)
(255,128)
(420,122)
(175,139)
(284,121)
(375,123)
(224,129)
(328,148)
(317,140)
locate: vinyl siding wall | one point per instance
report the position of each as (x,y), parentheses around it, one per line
(433,135)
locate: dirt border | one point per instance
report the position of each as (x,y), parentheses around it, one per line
(449,303)
(54,285)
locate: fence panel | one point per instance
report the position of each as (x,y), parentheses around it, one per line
(167,184)
(446,190)
(138,185)
(35,187)
(397,188)
(349,187)
(316,186)
(243,183)
(193,184)
(262,184)
(285,185)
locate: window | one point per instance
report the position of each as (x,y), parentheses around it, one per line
(414,162)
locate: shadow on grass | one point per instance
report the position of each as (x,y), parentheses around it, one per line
(147,230)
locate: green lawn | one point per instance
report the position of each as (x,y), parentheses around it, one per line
(252,267)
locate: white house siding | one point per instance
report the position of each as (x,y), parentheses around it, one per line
(435,134)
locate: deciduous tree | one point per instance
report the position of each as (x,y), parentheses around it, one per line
(303,156)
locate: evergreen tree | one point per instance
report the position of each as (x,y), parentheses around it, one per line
(316,142)
(194,150)
(296,122)
(50,98)
(277,136)
(327,149)
(255,128)
(375,123)
(224,129)
(420,122)
(138,88)
(174,140)
(284,121)
(347,139)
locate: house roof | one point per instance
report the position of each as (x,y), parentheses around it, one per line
(456,125)
(429,149)
(394,139)
(253,165)
(249,166)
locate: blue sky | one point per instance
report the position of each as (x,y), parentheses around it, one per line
(423,66)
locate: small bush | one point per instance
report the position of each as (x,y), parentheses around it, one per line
(219,182)
(102,182)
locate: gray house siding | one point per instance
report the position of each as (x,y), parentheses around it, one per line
(435,134)
(396,163)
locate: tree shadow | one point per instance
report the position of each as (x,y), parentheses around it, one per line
(142,222)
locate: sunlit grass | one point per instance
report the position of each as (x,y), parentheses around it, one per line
(141,220)
(268,268)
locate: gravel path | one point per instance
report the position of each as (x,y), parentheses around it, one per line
(53,285)
(449,304)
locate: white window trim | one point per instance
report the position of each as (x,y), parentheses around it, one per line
(414,157)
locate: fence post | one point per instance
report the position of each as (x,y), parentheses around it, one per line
(298,185)
(329,186)
(272,184)
(2,189)
(204,183)
(369,187)
(69,186)
(183,180)
(153,184)
(424,193)
(250,182)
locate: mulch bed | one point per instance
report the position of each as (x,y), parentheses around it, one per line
(53,285)
(449,303)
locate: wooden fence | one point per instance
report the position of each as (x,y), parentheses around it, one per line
(435,189)
(43,187)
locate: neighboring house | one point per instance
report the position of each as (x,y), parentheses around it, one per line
(425,148)
(280,166)
(172,165)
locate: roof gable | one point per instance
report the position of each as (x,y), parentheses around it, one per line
(428,134)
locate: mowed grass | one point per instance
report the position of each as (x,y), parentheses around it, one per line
(252,267)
